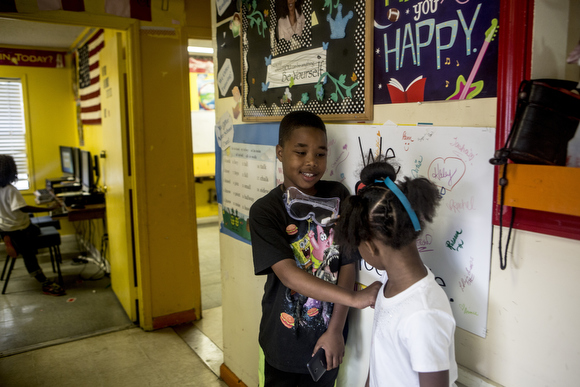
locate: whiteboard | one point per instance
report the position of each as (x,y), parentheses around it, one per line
(457,245)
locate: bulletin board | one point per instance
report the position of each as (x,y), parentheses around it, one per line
(229,78)
(324,67)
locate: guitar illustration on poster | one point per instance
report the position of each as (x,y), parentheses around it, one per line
(468,89)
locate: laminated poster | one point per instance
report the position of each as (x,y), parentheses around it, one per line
(432,50)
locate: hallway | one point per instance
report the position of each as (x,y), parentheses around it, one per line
(131,357)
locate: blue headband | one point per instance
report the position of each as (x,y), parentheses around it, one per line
(394,189)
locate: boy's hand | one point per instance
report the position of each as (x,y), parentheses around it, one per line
(333,345)
(367,296)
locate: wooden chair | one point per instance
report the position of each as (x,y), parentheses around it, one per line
(49,238)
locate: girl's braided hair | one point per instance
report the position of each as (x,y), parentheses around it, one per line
(8,171)
(376,212)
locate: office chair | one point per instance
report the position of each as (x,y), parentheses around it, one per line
(49,238)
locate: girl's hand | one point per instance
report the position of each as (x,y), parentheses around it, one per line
(367,296)
(333,345)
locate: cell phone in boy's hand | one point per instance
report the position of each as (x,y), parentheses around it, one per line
(317,365)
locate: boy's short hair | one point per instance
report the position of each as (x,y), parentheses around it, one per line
(298,119)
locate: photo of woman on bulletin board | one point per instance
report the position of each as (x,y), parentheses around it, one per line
(290,18)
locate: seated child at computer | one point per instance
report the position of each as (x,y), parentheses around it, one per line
(18,233)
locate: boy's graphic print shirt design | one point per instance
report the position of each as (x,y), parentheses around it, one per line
(314,252)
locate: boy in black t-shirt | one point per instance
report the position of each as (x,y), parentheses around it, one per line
(293,244)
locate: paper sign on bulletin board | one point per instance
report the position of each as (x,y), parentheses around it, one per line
(456,246)
(321,63)
(431,50)
(225,9)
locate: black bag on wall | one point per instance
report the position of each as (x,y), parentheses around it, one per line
(547,115)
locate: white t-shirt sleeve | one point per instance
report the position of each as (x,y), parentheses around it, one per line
(428,336)
(16,200)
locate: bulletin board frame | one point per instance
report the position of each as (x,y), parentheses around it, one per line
(336,41)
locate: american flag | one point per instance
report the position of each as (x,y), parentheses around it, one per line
(89,79)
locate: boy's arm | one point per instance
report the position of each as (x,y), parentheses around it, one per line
(310,286)
(333,340)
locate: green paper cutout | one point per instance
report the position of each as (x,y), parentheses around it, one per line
(339,85)
(256,17)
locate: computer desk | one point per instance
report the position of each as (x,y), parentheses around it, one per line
(91,211)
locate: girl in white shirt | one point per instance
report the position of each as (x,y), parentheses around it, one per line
(413,331)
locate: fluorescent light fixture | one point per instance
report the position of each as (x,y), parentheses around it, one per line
(199,50)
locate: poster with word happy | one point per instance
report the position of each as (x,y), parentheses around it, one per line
(435,50)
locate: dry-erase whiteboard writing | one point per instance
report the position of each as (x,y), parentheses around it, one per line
(457,245)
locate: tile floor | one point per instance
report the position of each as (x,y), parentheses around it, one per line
(30,319)
(209,263)
(188,355)
(131,357)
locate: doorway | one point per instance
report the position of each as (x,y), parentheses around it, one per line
(202,103)
(28,318)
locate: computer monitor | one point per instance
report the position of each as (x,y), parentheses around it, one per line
(67,161)
(87,178)
(78,166)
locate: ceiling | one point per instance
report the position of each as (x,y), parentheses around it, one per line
(37,34)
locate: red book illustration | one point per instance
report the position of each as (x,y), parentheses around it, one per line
(413,93)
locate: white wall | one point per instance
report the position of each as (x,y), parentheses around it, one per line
(533,315)
(533,306)
(549,48)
